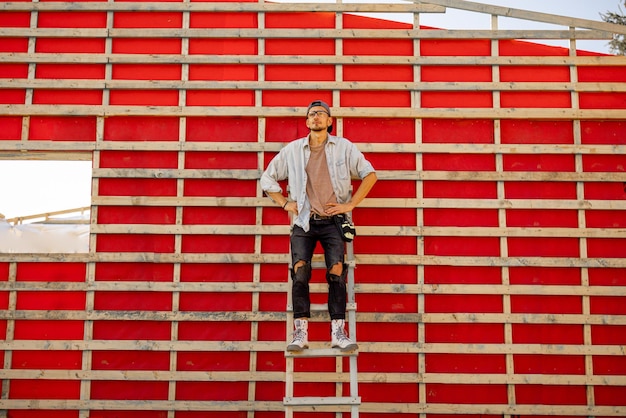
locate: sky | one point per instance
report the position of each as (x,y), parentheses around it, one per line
(584,9)
(34,187)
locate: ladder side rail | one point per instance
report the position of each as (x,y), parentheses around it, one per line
(354,389)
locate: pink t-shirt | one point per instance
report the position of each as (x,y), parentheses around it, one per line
(319,187)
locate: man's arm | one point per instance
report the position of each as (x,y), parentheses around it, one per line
(361,193)
(277,197)
(276,171)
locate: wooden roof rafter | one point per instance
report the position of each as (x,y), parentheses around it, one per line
(572,22)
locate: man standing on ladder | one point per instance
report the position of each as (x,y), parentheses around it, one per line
(319,169)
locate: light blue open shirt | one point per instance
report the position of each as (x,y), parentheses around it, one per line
(344,160)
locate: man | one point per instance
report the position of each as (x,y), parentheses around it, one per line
(319,168)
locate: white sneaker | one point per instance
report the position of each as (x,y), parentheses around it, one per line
(339,339)
(300,336)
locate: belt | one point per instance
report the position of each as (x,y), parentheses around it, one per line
(316,217)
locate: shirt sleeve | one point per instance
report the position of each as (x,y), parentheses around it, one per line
(275,172)
(359,166)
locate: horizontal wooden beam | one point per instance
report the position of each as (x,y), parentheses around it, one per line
(382,175)
(80,150)
(364,377)
(543,61)
(400,203)
(362,317)
(60,84)
(302,33)
(281,287)
(365,231)
(354,112)
(277,406)
(369,259)
(279,346)
(217,7)
(268,376)
(141,405)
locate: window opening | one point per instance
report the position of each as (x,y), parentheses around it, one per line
(44,206)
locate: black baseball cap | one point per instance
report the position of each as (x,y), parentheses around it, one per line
(319,103)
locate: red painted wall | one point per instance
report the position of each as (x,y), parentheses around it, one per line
(282,129)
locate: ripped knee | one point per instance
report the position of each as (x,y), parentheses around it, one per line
(301,272)
(336,269)
(337,274)
(300,263)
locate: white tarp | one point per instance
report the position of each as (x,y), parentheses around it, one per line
(43,238)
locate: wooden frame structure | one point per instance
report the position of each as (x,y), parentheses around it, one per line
(103,111)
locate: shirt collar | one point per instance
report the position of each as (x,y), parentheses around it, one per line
(331,138)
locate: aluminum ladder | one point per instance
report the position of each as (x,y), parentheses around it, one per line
(337,404)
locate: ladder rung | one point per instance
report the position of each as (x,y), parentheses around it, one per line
(321,352)
(323,307)
(319,400)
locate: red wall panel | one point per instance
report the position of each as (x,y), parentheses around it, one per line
(63,128)
(549,364)
(214,331)
(128,414)
(532,73)
(461,275)
(13,70)
(212,391)
(456,73)
(48,330)
(130,360)
(465,333)
(402,393)
(137,187)
(129,390)
(53,359)
(551,395)
(465,363)
(141,128)
(299,47)
(70,45)
(13,96)
(141,272)
(220,98)
(15,20)
(222,72)
(537,132)
(139,159)
(295,97)
(220,129)
(223,20)
(43,389)
(50,19)
(454,47)
(602,100)
(135,330)
(11,128)
(199,272)
(466,394)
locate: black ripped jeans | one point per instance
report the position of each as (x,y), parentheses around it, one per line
(302,247)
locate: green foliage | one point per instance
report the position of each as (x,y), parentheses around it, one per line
(618,43)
